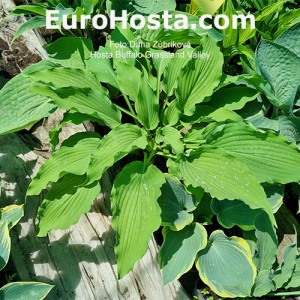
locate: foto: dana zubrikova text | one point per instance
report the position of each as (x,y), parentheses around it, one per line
(175,20)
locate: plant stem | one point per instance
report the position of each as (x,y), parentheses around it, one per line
(151,154)
(126,112)
(297,293)
(130,108)
(163,108)
(166,155)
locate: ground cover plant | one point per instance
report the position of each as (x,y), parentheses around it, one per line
(193,158)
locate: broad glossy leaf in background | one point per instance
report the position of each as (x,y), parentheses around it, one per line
(114,146)
(280,67)
(19,108)
(179,249)
(290,39)
(226,266)
(200,76)
(65,202)
(176,204)
(136,212)
(25,290)
(73,157)
(258,150)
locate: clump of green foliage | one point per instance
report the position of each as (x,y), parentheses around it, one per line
(194,151)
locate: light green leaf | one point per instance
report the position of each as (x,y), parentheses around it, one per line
(65,202)
(70,52)
(279,66)
(285,271)
(147,104)
(90,102)
(136,212)
(28,9)
(226,266)
(73,157)
(5,244)
(100,63)
(170,136)
(267,243)
(176,204)
(290,39)
(258,150)
(69,118)
(33,23)
(25,290)
(19,108)
(11,214)
(174,67)
(233,98)
(172,114)
(199,77)
(231,35)
(223,177)
(190,35)
(179,249)
(113,147)
(66,77)
(129,79)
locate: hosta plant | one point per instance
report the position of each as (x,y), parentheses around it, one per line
(186,156)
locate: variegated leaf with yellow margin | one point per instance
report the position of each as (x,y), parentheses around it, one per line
(208,6)
(12,214)
(5,244)
(179,250)
(226,266)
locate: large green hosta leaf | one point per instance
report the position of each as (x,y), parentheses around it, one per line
(20,108)
(174,67)
(290,39)
(280,67)
(226,266)
(73,157)
(223,177)
(84,100)
(176,204)
(113,147)
(179,250)
(136,212)
(199,77)
(25,290)
(65,77)
(269,156)
(147,105)
(65,202)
